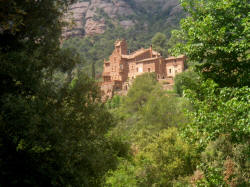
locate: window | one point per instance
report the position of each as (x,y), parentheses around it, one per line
(148,69)
(169,70)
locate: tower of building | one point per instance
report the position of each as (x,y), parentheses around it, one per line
(121,47)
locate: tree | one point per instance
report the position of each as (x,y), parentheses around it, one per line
(93,70)
(218,111)
(164,111)
(216,36)
(220,129)
(159,43)
(164,161)
(224,163)
(50,134)
(186,80)
(143,87)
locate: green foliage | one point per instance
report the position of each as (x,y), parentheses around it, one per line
(217,128)
(122,176)
(167,158)
(143,86)
(164,111)
(147,109)
(225,163)
(186,80)
(51,128)
(219,111)
(54,131)
(216,36)
(113,103)
(158,155)
(220,129)
(53,135)
(159,43)
(162,161)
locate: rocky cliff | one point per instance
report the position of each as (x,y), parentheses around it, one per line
(94,16)
(75,17)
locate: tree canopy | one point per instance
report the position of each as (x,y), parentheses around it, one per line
(51,134)
(216,35)
(55,131)
(159,43)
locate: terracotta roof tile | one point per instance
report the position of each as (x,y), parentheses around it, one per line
(172,57)
(136,53)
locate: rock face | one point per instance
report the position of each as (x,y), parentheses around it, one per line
(93,27)
(93,16)
(101,9)
(76,14)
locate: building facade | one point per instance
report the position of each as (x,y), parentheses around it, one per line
(121,68)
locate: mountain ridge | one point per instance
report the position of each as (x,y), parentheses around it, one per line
(93,17)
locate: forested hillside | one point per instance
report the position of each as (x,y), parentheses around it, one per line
(56,131)
(137,21)
(199,137)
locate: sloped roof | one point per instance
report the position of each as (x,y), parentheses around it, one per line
(147,59)
(156,53)
(136,53)
(118,42)
(172,57)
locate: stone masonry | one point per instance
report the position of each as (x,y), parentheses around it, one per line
(121,68)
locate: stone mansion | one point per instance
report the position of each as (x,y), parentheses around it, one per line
(122,68)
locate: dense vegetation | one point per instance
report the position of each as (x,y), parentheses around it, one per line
(51,131)
(54,131)
(148,120)
(209,146)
